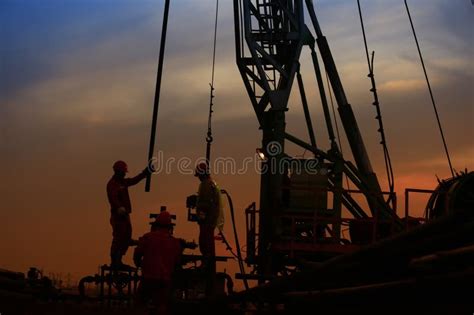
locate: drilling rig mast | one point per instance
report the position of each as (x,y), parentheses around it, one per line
(270,36)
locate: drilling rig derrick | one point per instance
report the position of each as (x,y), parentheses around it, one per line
(295,220)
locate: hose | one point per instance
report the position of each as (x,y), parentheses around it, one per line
(236,236)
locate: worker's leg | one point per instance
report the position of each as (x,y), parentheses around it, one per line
(208,250)
(163,299)
(121,237)
(160,293)
(128,233)
(206,240)
(140,297)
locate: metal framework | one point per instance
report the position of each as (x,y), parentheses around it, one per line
(270,36)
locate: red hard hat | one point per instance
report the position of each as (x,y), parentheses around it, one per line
(201,169)
(120,166)
(164,219)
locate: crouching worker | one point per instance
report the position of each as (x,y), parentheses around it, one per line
(158,253)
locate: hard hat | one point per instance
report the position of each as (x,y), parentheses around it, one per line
(120,166)
(163,219)
(201,169)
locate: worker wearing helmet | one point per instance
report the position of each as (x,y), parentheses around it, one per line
(120,208)
(208,212)
(158,253)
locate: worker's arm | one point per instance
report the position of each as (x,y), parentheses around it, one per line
(135,180)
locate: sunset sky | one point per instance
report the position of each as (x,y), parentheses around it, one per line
(77,83)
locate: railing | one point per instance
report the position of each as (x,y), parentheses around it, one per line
(407,202)
(319,234)
(319,225)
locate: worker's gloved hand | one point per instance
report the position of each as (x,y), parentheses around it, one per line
(184,244)
(191,201)
(150,169)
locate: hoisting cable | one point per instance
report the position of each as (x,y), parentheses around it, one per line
(156,101)
(211,94)
(376,103)
(429,88)
(209,140)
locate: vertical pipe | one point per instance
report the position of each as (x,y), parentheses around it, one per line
(157,91)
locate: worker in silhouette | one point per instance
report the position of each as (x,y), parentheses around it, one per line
(158,254)
(120,208)
(207,210)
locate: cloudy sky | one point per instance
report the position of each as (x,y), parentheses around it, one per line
(76,91)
